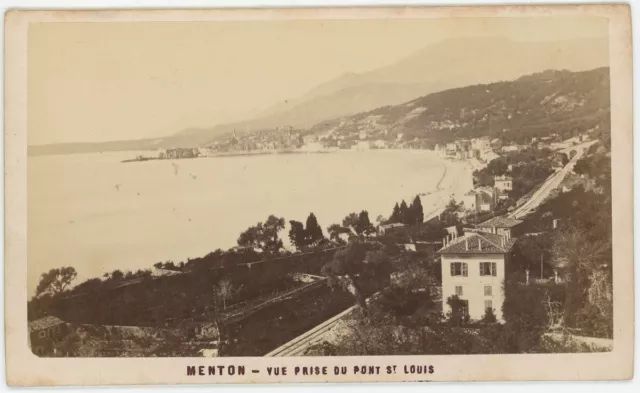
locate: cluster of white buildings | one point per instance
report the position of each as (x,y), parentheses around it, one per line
(479,148)
(484,199)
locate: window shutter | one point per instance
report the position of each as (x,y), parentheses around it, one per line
(482,268)
(493,269)
(453,269)
(464,270)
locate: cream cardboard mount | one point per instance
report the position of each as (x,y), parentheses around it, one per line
(423,194)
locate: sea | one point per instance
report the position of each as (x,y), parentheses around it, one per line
(97,214)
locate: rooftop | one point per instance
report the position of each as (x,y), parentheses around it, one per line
(478,243)
(44,323)
(499,222)
(392,225)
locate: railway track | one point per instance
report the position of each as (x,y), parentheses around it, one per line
(298,345)
(550,184)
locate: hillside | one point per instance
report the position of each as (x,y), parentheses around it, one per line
(437,67)
(535,105)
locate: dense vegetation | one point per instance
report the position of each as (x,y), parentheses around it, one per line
(407,214)
(534,106)
(528,168)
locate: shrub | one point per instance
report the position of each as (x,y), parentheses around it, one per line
(459,314)
(489,316)
(398,301)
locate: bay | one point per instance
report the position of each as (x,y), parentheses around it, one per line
(94,213)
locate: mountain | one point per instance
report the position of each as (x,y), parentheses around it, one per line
(445,65)
(536,105)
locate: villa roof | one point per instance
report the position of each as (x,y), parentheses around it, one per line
(478,243)
(499,222)
(44,323)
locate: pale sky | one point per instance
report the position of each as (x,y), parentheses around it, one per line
(91,82)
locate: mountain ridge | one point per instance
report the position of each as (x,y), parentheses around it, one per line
(536,105)
(437,67)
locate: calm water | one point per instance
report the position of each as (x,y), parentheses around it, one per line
(94,213)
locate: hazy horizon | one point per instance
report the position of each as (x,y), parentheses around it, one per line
(99,82)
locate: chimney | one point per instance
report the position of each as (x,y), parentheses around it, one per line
(502,240)
(466,244)
(479,244)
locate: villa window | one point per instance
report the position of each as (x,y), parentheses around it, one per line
(43,334)
(459,290)
(459,269)
(488,304)
(488,269)
(488,290)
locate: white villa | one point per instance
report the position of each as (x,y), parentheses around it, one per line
(480,199)
(503,183)
(473,267)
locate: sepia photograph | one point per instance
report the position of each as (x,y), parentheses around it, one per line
(313,184)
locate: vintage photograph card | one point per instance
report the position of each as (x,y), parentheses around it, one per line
(318,195)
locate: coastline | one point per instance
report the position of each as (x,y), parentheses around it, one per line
(233,154)
(456,181)
(435,181)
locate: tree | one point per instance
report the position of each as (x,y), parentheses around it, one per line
(581,262)
(417,214)
(489,316)
(597,167)
(396,215)
(533,253)
(55,281)
(313,230)
(351,222)
(297,235)
(344,269)
(271,228)
(364,226)
(224,290)
(117,275)
(450,213)
(355,269)
(377,269)
(335,232)
(564,159)
(263,236)
(404,212)
(525,316)
(459,314)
